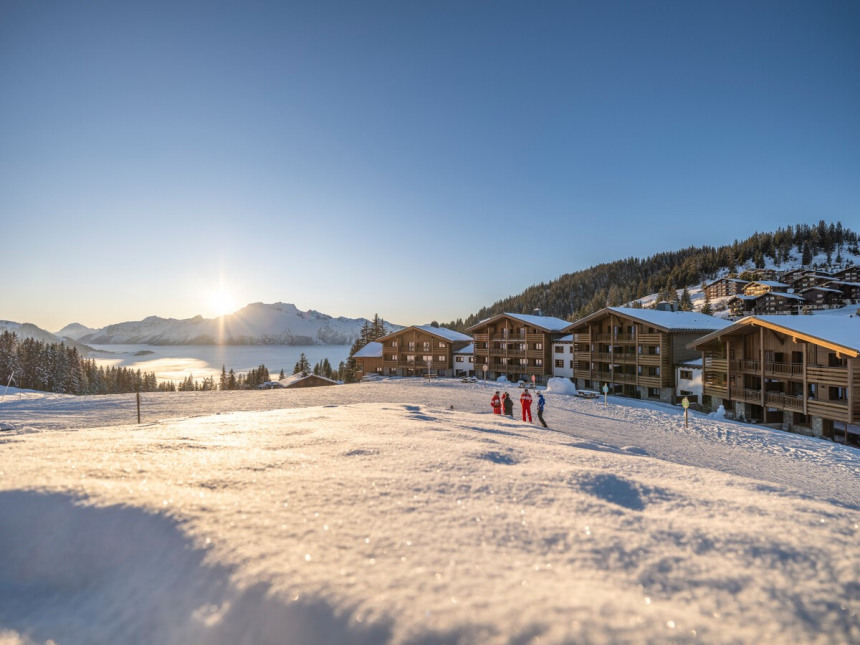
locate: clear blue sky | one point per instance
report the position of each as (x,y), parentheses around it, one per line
(413,159)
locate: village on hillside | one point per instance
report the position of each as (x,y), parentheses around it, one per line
(783,350)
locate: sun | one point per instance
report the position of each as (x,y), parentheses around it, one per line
(222,302)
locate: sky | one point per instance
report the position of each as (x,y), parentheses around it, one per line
(403,512)
(419,160)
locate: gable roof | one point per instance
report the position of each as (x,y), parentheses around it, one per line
(372,350)
(840,333)
(547,323)
(668,321)
(440,332)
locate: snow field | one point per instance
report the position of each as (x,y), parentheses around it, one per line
(377,514)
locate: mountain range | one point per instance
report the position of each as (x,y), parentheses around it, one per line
(255,324)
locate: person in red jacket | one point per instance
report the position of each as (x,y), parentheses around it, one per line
(526,402)
(496,404)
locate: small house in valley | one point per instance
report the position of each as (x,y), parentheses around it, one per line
(368,360)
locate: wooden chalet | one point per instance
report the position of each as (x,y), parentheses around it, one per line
(741,305)
(756,288)
(306,380)
(516,346)
(723,287)
(421,351)
(850,291)
(848,274)
(760,274)
(810,279)
(368,360)
(821,297)
(634,351)
(778,302)
(799,373)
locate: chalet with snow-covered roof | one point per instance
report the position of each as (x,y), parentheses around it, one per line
(788,277)
(305,380)
(634,351)
(778,302)
(758,287)
(850,291)
(741,305)
(760,274)
(799,373)
(810,279)
(368,360)
(848,274)
(821,297)
(517,346)
(423,350)
(723,287)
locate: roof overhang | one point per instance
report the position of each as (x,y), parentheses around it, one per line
(743,326)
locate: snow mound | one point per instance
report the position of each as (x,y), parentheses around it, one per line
(560,386)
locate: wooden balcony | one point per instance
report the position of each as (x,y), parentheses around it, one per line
(787,370)
(614,338)
(745,395)
(784,401)
(649,359)
(510,353)
(828,376)
(835,410)
(649,339)
(582,338)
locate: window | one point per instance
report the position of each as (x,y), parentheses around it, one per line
(559,363)
(538,345)
(539,362)
(458,359)
(441,359)
(442,344)
(411,346)
(686,374)
(410,358)
(558,349)
(426,347)
(427,359)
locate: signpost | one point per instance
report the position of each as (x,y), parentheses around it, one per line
(485,368)
(605,392)
(534,379)
(686,403)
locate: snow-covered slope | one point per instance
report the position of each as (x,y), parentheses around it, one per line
(255,324)
(75,331)
(403,512)
(29,330)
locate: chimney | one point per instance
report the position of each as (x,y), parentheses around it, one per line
(537,312)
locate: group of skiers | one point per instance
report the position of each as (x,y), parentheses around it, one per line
(505,405)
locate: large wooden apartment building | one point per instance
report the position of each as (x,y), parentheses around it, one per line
(516,346)
(800,373)
(634,351)
(421,350)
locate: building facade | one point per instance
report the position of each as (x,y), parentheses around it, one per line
(798,373)
(562,357)
(634,351)
(516,346)
(421,351)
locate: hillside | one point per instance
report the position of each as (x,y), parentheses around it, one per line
(403,512)
(255,324)
(575,295)
(29,330)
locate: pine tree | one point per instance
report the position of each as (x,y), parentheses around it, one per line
(686,302)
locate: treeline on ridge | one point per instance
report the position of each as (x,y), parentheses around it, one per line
(575,295)
(32,364)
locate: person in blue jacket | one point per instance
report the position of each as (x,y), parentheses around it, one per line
(541,403)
